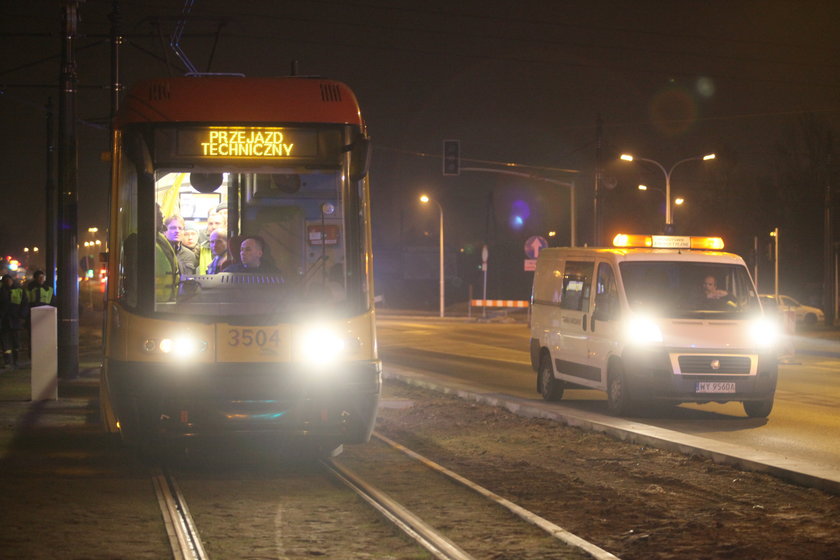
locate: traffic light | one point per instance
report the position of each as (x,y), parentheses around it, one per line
(451,157)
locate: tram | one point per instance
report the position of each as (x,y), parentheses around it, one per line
(284,348)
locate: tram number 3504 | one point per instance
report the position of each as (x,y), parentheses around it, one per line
(254,337)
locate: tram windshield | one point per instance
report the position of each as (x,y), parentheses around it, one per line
(228,238)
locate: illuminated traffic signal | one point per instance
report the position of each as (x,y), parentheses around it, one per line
(451,157)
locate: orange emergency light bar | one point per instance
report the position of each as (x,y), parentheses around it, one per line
(626,240)
(667,242)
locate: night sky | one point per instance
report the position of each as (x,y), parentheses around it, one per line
(524,82)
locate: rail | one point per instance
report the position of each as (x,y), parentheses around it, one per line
(180,528)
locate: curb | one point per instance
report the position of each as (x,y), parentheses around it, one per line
(788,469)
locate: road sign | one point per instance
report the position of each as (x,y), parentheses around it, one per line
(534,245)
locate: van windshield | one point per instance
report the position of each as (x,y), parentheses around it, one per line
(689,289)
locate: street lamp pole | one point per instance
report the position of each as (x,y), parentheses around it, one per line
(425,199)
(775,235)
(667,173)
(678,201)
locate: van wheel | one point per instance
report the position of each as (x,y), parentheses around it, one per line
(758,409)
(618,397)
(549,386)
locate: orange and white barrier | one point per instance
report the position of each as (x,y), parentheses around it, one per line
(521,303)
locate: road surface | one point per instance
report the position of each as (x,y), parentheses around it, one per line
(804,424)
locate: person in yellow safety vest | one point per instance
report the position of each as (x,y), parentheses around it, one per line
(216,220)
(205,257)
(39,292)
(167,274)
(202,252)
(14,307)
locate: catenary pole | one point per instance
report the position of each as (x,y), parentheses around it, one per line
(68,265)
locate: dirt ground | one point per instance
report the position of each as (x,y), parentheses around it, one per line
(633,501)
(636,502)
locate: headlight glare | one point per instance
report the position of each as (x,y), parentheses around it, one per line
(641,329)
(321,346)
(182,347)
(764,332)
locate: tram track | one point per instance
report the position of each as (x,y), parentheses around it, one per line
(435,541)
(180,527)
(446,524)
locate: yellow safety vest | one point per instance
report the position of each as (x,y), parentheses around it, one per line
(167,275)
(205,257)
(40,295)
(16,296)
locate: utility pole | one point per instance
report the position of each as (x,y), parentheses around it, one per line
(68,265)
(828,261)
(116,43)
(756,257)
(596,206)
(51,198)
(775,235)
(116,92)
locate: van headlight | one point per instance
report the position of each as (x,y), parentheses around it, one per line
(321,346)
(641,329)
(764,332)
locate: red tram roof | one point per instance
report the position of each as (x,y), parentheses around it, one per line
(221,99)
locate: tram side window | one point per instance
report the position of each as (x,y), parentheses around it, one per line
(127,234)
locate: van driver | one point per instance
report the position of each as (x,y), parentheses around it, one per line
(713,297)
(710,289)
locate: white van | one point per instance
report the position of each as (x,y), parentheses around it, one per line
(656,318)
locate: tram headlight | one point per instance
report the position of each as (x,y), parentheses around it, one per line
(182,348)
(321,346)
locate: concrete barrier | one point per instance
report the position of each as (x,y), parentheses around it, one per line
(44,345)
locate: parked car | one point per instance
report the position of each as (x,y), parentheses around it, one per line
(805,314)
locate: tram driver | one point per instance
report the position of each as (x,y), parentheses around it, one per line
(253,257)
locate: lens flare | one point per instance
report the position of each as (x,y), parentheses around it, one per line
(673,111)
(519,213)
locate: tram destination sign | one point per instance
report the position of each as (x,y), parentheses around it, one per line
(247,143)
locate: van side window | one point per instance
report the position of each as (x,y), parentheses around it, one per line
(606,293)
(577,286)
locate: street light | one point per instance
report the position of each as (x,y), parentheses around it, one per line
(679,200)
(628,157)
(425,200)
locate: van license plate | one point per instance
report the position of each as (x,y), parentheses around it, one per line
(715,386)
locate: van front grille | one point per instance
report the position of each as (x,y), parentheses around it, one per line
(709,364)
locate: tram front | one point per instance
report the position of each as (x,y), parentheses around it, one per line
(265,323)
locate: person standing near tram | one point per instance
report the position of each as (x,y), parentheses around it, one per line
(39,292)
(187,260)
(219,247)
(14,308)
